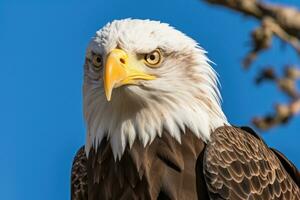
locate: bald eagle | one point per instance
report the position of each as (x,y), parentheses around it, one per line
(155,127)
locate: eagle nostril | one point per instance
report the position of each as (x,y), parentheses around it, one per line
(122,60)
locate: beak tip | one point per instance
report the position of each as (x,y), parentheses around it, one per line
(108,91)
(108,97)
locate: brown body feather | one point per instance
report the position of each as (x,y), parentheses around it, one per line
(234,165)
(79,183)
(238,165)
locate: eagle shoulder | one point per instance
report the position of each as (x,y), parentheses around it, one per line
(79,181)
(239,165)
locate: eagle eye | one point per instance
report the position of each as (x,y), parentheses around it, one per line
(153,59)
(97,61)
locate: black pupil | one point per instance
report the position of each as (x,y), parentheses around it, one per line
(98,59)
(152,57)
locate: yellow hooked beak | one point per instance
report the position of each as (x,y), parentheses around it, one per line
(121,70)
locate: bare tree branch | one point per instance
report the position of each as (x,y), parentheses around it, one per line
(275,21)
(288,18)
(280,21)
(282,115)
(287,84)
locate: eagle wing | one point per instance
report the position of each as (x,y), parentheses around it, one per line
(238,165)
(79,182)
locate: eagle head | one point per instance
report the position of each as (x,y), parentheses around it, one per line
(143,77)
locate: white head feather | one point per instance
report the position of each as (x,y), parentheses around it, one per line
(185,94)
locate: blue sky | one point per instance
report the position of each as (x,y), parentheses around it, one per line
(42,53)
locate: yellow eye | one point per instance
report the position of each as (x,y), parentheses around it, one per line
(153,59)
(97,61)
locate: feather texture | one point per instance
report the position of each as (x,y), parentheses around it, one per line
(239,165)
(236,164)
(165,169)
(79,184)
